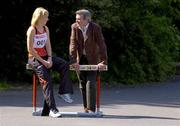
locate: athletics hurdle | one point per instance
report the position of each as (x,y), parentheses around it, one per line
(98,113)
(34,87)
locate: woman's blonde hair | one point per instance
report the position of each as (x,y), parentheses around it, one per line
(38,13)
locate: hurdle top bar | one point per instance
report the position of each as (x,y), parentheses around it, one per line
(90,68)
(81,67)
(28,66)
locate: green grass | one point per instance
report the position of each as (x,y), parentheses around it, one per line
(5,86)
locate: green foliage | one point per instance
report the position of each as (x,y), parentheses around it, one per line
(142,43)
(142,36)
(15,20)
(4,85)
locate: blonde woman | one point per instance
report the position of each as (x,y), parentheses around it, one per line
(42,61)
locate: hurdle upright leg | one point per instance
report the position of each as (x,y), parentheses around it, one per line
(34,90)
(98,92)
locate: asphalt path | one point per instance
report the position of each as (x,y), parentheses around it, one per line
(155,104)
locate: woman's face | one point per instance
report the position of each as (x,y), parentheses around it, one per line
(44,19)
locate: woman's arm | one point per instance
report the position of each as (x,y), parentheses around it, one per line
(48,43)
(48,48)
(30,41)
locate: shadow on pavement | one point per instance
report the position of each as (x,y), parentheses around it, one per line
(164,95)
(136,117)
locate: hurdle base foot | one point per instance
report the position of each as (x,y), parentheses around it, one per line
(37,112)
(72,114)
(81,114)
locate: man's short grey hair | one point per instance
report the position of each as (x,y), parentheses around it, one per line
(85,13)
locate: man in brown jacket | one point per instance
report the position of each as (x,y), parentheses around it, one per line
(87,46)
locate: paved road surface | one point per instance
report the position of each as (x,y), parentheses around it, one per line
(154,105)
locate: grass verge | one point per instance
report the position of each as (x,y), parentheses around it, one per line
(5,85)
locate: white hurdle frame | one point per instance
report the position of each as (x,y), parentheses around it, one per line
(98,113)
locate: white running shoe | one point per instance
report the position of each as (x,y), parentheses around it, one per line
(66,97)
(54,113)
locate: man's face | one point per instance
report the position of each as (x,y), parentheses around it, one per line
(80,20)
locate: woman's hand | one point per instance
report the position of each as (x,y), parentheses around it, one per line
(50,62)
(47,64)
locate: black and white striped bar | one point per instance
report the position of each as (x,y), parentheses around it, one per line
(90,68)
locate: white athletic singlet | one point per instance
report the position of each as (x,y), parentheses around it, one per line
(40,40)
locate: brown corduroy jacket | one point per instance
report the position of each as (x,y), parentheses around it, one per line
(94,45)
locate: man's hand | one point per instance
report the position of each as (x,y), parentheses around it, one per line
(101,65)
(75,66)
